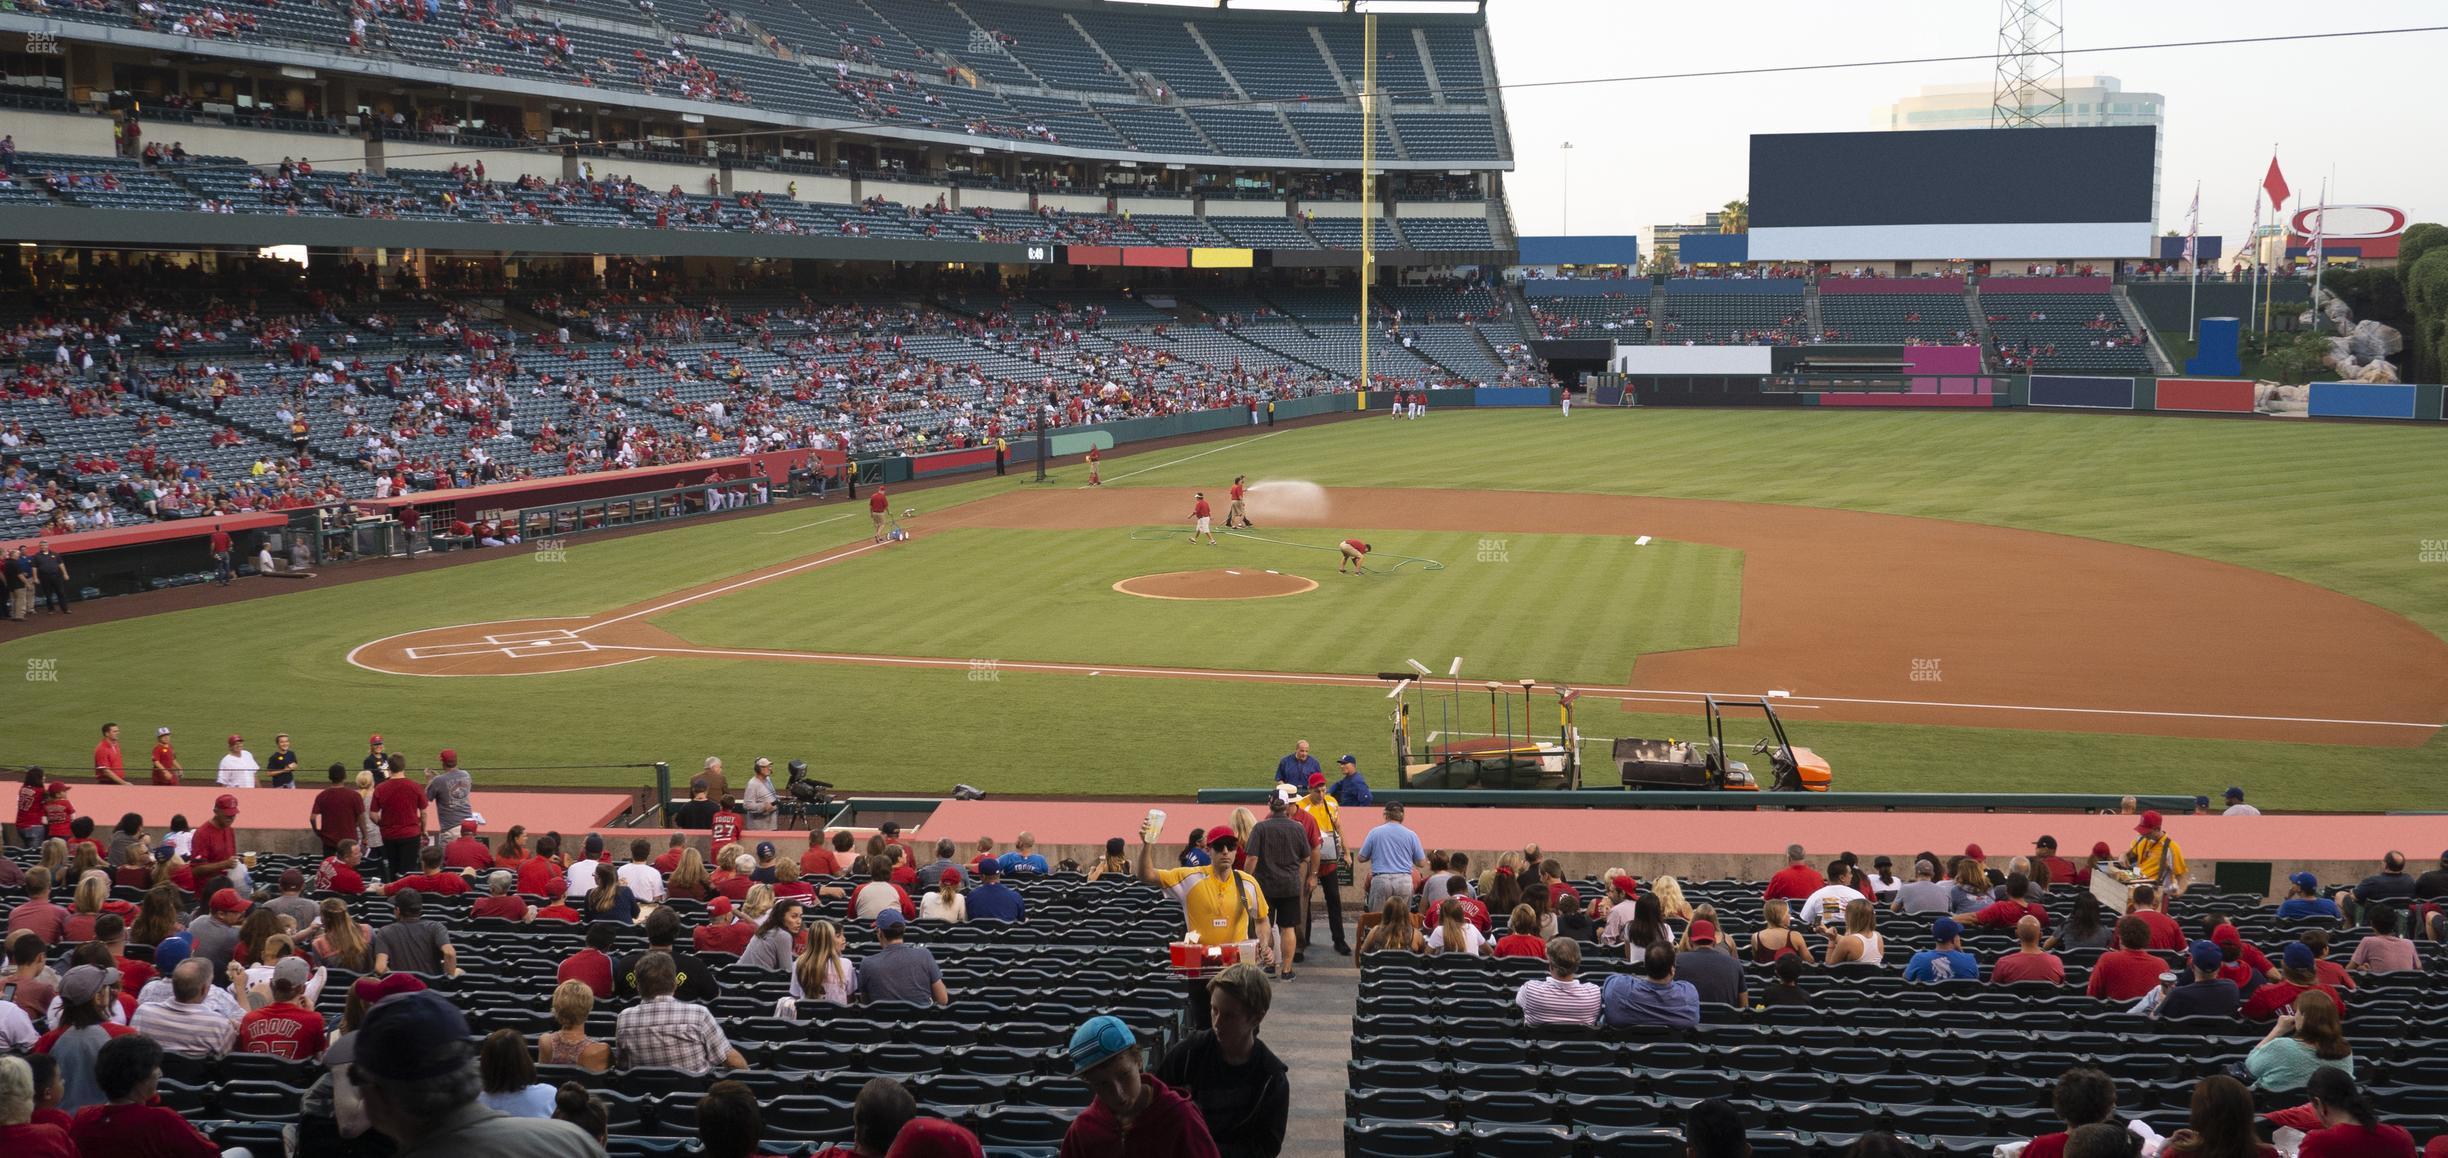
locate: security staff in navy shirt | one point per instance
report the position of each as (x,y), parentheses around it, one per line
(1350,790)
(1297,768)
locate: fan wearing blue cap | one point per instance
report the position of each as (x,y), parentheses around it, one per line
(2203,993)
(2299,972)
(1133,1115)
(1946,958)
(2236,805)
(2304,901)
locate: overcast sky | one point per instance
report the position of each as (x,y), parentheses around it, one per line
(1650,152)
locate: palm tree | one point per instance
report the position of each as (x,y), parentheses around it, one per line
(1735,218)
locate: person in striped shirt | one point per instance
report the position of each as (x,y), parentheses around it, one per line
(1558,999)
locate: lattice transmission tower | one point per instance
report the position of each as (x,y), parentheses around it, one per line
(2030,88)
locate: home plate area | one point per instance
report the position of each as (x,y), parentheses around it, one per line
(510,644)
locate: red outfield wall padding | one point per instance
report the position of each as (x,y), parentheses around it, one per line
(1157,257)
(1092,255)
(2217,395)
(951,460)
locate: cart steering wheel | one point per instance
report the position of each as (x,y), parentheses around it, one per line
(1761,748)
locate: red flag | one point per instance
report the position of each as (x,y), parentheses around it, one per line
(2275,185)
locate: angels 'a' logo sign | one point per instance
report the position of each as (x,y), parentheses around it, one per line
(2349,222)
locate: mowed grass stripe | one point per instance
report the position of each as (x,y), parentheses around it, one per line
(1047,595)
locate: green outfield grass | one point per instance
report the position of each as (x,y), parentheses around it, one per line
(2344,506)
(1048,595)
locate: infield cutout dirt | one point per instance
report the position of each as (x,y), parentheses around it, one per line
(1863,617)
(1216,583)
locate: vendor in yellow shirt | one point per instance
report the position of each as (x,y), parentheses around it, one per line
(2155,858)
(1220,904)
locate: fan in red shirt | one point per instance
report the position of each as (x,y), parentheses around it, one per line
(2060,870)
(59,816)
(499,902)
(2017,905)
(469,851)
(338,872)
(820,860)
(165,759)
(2298,975)
(2245,965)
(1522,939)
(2347,1126)
(592,966)
(213,853)
(1201,519)
(543,875)
(109,768)
(337,811)
(285,1028)
(723,932)
(2166,934)
(2084,1096)
(669,862)
(30,803)
(128,1072)
(1797,880)
(399,815)
(434,880)
(2128,972)
(730,822)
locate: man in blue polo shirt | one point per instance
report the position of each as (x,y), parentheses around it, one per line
(1296,768)
(992,900)
(1392,852)
(1946,959)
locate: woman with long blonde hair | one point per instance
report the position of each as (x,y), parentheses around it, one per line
(822,971)
(758,902)
(369,834)
(85,859)
(1670,899)
(55,857)
(1778,939)
(1242,822)
(688,879)
(1861,940)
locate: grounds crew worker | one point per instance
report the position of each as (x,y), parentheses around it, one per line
(877,504)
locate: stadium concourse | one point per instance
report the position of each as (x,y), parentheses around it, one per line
(943,985)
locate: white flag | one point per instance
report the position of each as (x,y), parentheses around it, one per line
(2193,223)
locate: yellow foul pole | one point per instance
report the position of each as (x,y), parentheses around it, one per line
(1368,174)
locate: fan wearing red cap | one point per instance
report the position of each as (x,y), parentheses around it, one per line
(1326,814)
(723,932)
(238,766)
(449,790)
(213,853)
(1220,904)
(2155,856)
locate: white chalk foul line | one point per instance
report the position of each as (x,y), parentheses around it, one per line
(727,588)
(1235,444)
(805,526)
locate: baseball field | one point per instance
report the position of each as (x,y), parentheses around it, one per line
(2007,601)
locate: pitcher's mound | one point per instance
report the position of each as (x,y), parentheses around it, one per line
(1218,583)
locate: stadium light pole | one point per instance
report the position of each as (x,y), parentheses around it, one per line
(1566,151)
